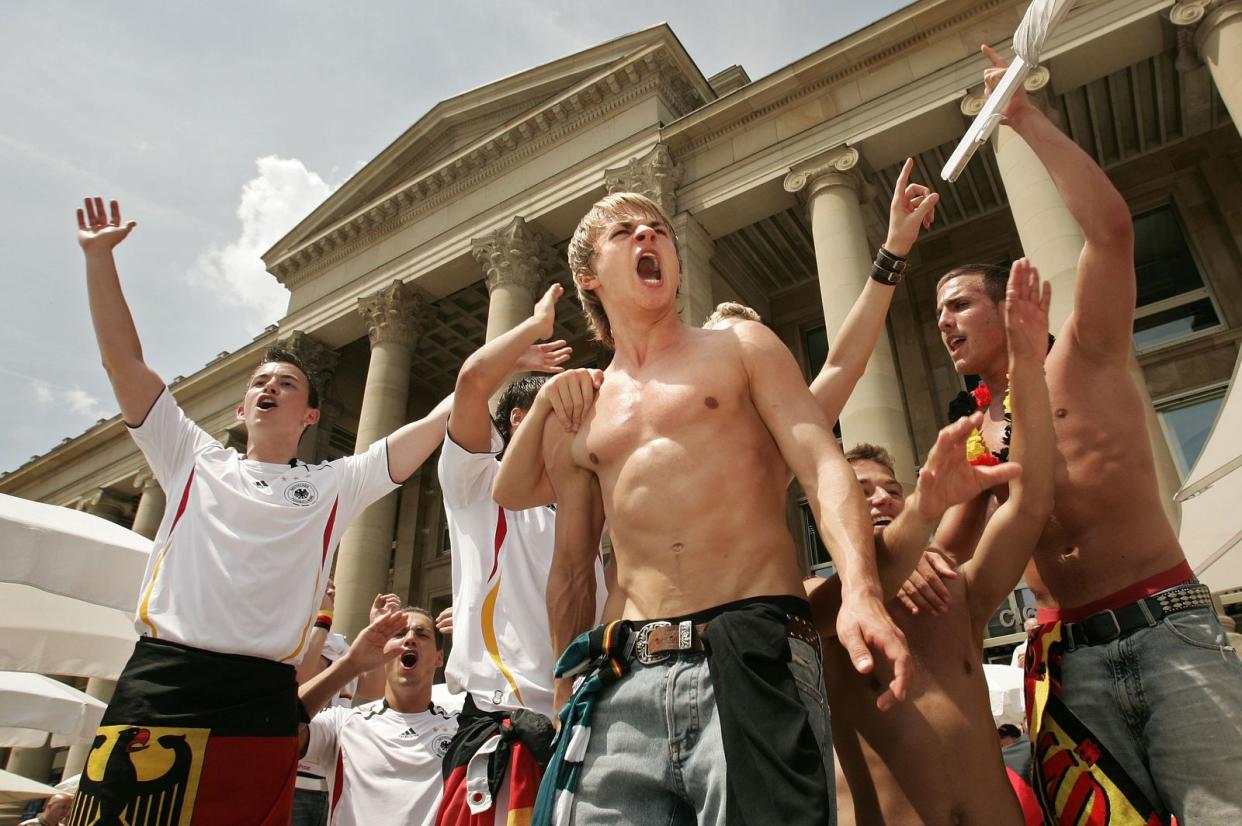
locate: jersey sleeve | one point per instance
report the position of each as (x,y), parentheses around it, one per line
(168,438)
(322,736)
(365,477)
(465,477)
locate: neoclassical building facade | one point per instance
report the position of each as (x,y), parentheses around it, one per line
(779,187)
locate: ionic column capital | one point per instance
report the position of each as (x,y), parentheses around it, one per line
(515,255)
(1203,16)
(1036,80)
(144,481)
(836,167)
(655,175)
(398,313)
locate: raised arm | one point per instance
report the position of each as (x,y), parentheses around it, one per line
(487,369)
(135,385)
(411,444)
(801,432)
(1102,322)
(579,524)
(1011,534)
(913,206)
(523,481)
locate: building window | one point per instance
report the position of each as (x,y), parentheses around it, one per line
(818,559)
(1173,301)
(1187,421)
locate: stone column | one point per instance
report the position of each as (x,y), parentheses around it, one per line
(396,317)
(1053,241)
(321,361)
(515,263)
(1217,26)
(75,761)
(35,764)
(876,410)
(657,175)
(151,505)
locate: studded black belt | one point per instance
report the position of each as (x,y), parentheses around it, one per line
(1108,625)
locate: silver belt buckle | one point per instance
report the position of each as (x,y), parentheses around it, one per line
(640,644)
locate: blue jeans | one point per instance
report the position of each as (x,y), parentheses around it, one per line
(1167,702)
(656,756)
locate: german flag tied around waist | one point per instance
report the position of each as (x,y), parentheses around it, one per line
(193,738)
(1076,778)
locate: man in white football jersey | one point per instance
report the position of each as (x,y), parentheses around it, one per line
(204,719)
(384,758)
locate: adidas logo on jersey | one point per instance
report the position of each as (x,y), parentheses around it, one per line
(262,483)
(409,732)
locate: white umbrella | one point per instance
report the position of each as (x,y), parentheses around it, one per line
(32,704)
(1211,530)
(1005,693)
(51,634)
(14,788)
(71,553)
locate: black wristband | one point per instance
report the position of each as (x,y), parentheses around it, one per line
(886,277)
(327,626)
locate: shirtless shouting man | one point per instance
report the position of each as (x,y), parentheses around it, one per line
(686,447)
(1129,673)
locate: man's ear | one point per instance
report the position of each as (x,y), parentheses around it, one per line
(311,417)
(440,658)
(241,412)
(515,418)
(586,279)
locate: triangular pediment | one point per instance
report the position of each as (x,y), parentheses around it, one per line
(480,117)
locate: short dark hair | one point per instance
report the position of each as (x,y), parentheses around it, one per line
(418,609)
(1009,730)
(282,356)
(519,395)
(864,452)
(995,279)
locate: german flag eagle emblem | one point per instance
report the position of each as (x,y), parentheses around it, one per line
(153,775)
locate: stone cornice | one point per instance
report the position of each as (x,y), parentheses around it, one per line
(653,69)
(836,167)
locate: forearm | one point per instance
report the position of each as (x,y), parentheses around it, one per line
(487,368)
(1033,438)
(520,483)
(1094,202)
(571,611)
(852,348)
(902,544)
(114,325)
(841,515)
(316,693)
(312,659)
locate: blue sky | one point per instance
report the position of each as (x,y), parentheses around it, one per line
(219,125)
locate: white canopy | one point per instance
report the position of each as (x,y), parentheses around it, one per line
(1211,532)
(14,788)
(32,705)
(68,552)
(1005,693)
(52,634)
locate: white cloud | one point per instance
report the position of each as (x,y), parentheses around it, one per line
(83,403)
(284,192)
(42,392)
(77,400)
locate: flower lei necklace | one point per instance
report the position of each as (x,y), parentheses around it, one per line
(977,452)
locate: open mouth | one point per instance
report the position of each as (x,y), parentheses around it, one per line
(409,659)
(954,343)
(266,404)
(649,269)
(881,521)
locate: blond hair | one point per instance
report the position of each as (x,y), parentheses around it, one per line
(730,309)
(582,248)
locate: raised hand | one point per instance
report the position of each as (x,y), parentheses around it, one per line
(544,358)
(571,395)
(1019,102)
(444,621)
(384,604)
(380,641)
(97,231)
(947,479)
(913,207)
(329,597)
(544,315)
(1026,312)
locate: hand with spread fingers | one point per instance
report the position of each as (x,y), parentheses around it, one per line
(384,604)
(544,314)
(1026,312)
(913,208)
(544,358)
(947,478)
(444,622)
(99,231)
(925,591)
(380,641)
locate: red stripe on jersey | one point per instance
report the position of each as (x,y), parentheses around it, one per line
(327,531)
(501,529)
(338,779)
(185,500)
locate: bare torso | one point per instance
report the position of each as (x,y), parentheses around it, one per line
(935,758)
(692,482)
(1108,527)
